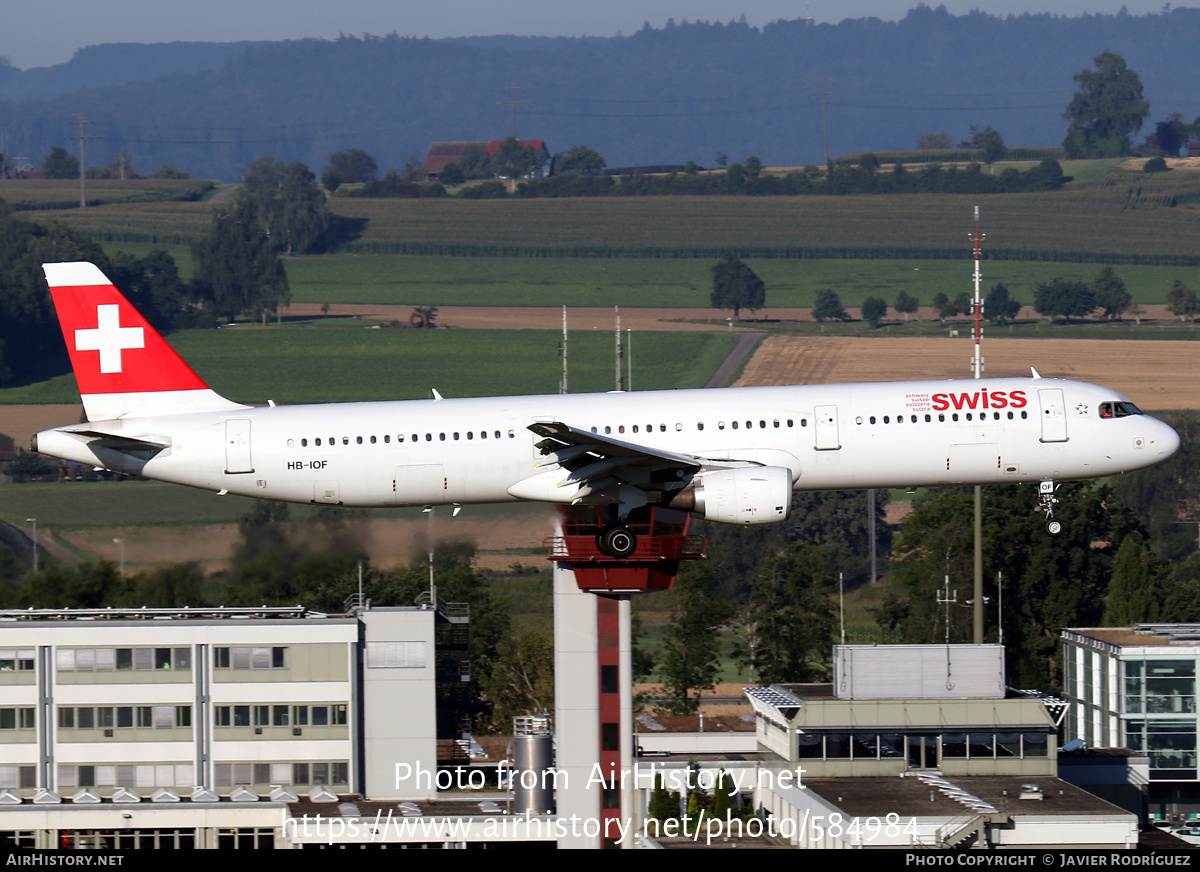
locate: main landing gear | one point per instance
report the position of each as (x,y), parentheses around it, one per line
(615,539)
(1047,500)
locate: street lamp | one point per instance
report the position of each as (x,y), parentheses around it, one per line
(35,547)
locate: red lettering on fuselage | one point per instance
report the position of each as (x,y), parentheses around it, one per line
(979,400)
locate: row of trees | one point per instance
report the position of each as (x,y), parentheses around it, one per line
(60,164)
(735,286)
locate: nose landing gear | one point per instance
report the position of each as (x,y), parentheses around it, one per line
(1047,500)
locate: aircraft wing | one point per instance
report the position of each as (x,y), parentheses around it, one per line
(588,463)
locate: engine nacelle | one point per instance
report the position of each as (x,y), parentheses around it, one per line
(749,495)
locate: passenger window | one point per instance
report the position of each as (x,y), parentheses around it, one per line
(607,430)
(678,427)
(346,440)
(511,434)
(735,425)
(428,437)
(941,417)
(968,416)
(358,439)
(372,440)
(635,428)
(776,423)
(872,419)
(1024,414)
(441,437)
(699,425)
(621,429)
(456,437)
(887,419)
(954,417)
(928,418)
(303,443)
(291,443)
(317,440)
(720,425)
(470,435)
(387,438)
(914,419)
(1010,416)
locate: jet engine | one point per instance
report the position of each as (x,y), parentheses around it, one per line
(747,495)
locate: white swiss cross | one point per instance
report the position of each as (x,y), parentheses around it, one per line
(109,338)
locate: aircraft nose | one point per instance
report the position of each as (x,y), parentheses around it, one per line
(1166,440)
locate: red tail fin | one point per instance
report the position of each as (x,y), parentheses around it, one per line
(122,365)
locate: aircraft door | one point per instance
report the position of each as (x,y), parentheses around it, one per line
(1054,415)
(237,446)
(826,430)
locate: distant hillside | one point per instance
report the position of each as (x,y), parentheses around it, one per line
(99,66)
(671,95)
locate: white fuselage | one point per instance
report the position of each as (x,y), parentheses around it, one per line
(843,436)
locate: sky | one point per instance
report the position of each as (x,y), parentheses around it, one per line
(48,32)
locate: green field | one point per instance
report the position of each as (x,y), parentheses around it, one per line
(1125,213)
(674,282)
(66,191)
(344,360)
(87,505)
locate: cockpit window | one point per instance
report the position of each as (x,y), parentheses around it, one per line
(1118,410)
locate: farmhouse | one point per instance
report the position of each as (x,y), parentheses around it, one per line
(442,154)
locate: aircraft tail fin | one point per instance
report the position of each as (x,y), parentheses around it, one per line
(124,368)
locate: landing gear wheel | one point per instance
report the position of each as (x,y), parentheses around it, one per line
(1054,527)
(619,542)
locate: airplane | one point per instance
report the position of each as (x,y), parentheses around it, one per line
(733,455)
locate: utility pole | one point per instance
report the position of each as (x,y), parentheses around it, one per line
(513,102)
(82,161)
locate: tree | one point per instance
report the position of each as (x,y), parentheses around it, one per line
(791,607)
(60,165)
(1171,135)
(1106,111)
(1110,294)
(515,160)
(170,171)
(1063,298)
(237,268)
(735,286)
(578,160)
(352,166)
(289,204)
(906,304)
(993,146)
(1136,590)
(475,162)
(1182,301)
(753,167)
(937,140)
(521,678)
(869,162)
(874,310)
(452,175)
(941,305)
(691,647)
(827,306)
(999,306)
